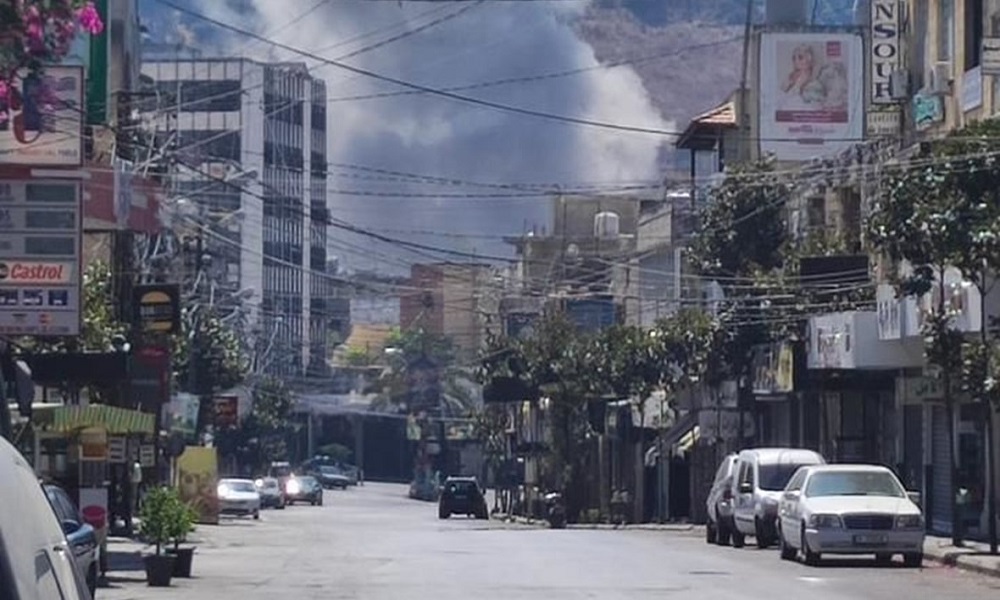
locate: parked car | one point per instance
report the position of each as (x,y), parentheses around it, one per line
(239,497)
(304,488)
(81,536)
(332,477)
(850,509)
(271,494)
(36,560)
(761,477)
(462,495)
(719,504)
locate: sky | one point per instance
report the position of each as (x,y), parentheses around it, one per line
(442,44)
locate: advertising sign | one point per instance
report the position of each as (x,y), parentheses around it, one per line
(198,480)
(885,55)
(811,94)
(40,241)
(45,131)
(157,307)
(991,56)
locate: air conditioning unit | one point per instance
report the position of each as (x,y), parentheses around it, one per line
(899,85)
(939,79)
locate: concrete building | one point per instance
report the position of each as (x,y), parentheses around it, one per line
(587,261)
(448,299)
(264,124)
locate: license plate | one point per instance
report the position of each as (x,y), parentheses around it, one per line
(870,540)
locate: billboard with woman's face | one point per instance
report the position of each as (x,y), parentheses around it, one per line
(811,94)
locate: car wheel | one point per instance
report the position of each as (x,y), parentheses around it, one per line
(256,515)
(739,539)
(723,532)
(913,560)
(443,514)
(761,533)
(811,558)
(787,551)
(92,581)
(711,536)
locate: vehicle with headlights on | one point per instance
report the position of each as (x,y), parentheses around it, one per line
(850,509)
(271,494)
(239,497)
(304,488)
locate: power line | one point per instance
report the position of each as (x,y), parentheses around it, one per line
(423,88)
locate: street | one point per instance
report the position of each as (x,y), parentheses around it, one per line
(372,543)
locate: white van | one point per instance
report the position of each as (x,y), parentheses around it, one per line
(761,476)
(36,562)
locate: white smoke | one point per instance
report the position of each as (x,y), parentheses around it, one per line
(437,136)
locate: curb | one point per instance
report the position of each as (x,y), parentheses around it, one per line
(959,561)
(603,526)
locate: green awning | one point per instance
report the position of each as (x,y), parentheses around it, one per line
(117,421)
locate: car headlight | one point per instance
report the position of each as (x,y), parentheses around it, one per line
(825,522)
(910,522)
(293,487)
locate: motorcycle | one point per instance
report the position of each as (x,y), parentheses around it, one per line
(555,510)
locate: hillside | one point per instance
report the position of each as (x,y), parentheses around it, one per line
(700,42)
(698,64)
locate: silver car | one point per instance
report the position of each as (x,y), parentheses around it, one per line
(850,509)
(239,497)
(719,503)
(36,561)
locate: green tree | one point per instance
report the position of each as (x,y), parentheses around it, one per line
(742,242)
(946,213)
(262,436)
(220,361)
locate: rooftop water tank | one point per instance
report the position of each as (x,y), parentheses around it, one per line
(606,225)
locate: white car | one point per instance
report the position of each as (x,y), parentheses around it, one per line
(849,509)
(239,497)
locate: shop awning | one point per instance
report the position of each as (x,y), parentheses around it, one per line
(117,421)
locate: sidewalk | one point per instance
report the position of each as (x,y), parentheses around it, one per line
(973,557)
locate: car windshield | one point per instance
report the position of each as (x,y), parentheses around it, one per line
(461,487)
(854,483)
(329,470)
(239,486)
(774,477)
(307,481)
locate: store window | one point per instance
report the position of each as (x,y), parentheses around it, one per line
(946,30)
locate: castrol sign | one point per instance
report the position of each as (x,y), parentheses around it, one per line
(36,273)
(40,254)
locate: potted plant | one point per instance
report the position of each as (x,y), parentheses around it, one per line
(156,523)
(182,524)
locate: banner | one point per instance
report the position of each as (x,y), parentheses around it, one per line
(198,481)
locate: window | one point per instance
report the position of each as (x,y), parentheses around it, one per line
(774,477)
(854,483)
(973,33)
(209,145)
(919,53)
(797,480)
(203,95)
(946,30)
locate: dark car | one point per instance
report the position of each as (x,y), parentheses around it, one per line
(462,495)
(81,536)
(304,489)
(35,556)
(332,477)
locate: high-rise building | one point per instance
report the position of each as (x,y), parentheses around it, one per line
(250,143)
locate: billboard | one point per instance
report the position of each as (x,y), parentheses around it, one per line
(811,93)
(36,135)
(198,481)
(40,243)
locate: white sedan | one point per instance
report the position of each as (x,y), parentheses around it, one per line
(849,509)
(239,497)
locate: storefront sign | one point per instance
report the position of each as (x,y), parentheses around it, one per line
(773,369)
(39,137)
(972,89)
(928,109)
(991,56)
(40,242)
(884,123)
(93,444)
(885,55)
(226,411)
(157,308)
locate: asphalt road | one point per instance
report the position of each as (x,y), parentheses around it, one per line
(371,543)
